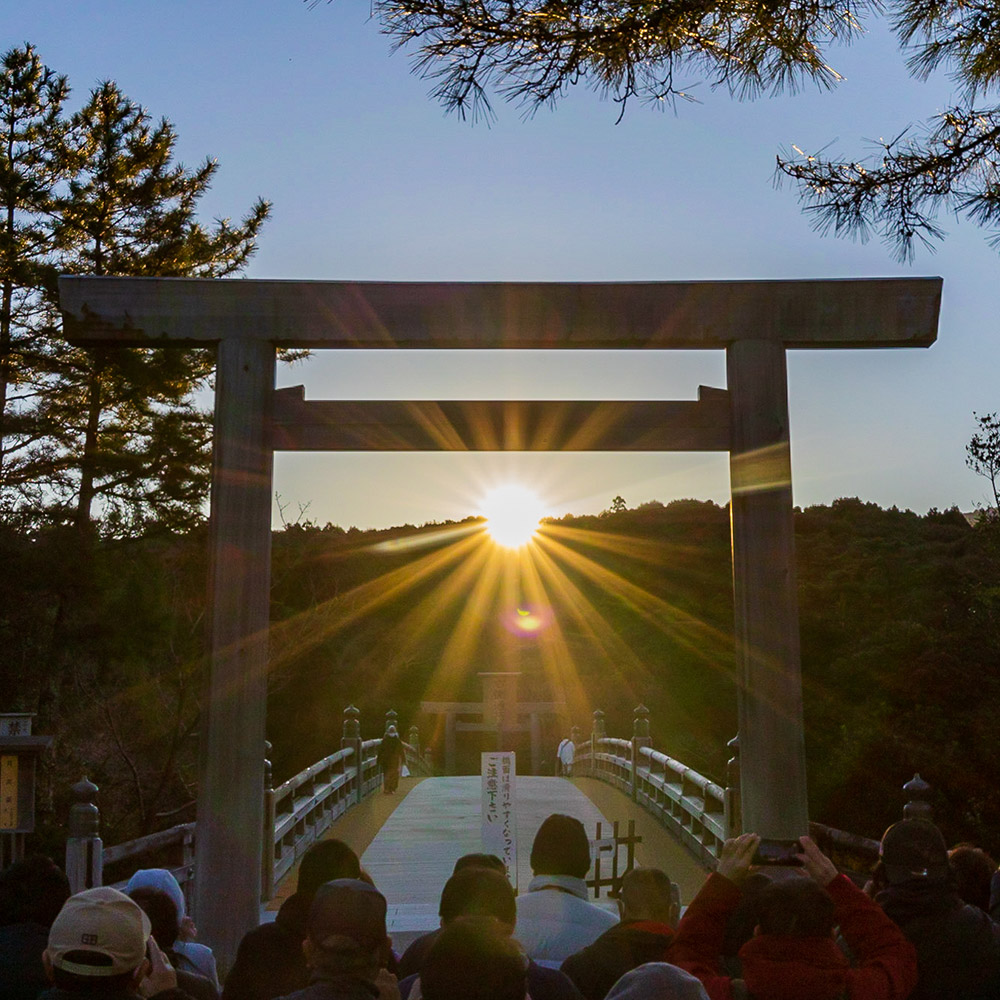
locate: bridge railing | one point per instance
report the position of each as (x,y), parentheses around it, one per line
(296,814)
(699,812)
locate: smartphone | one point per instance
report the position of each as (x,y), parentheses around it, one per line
(777,852)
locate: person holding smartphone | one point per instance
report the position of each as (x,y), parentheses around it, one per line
(794,951)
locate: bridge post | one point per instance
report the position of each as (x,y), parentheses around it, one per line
(768,669)
(84,848)
(734,824)
(597,733)
(413,738)
(918,807)
(267,856)
(640,738)
(352,739)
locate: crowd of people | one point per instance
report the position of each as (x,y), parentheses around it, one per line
(925,927)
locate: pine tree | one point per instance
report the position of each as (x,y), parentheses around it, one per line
(130,436)
(32,163)
(949,163)
(532,51)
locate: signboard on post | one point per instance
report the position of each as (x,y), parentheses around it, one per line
(498,810)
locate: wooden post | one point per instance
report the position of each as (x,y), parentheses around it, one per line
(352,738)
(267,858)
(734,823)
(597,732)
(917,805)
(450,762)
(230,804)
(84,849)
(772,746)
(640,738)
(535,730)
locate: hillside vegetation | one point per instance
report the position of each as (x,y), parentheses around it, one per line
(900,624)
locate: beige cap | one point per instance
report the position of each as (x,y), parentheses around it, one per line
(103,921)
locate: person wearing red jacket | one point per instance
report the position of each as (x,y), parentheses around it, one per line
(793,953)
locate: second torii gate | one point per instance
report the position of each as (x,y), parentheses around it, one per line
(754,322)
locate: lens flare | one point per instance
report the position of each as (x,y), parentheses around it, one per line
(512,515)
(527,620)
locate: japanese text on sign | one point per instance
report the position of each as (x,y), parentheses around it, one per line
(499,818)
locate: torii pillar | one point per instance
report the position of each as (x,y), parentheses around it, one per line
(755,322)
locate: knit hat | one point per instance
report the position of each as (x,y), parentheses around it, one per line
(913,849)
(161,879)
(657,981)
(106,923)
(350,909)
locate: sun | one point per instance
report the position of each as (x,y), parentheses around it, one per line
(512,514)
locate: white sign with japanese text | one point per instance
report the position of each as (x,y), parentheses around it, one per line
(499,816)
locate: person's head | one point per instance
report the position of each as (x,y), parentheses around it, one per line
(795,907)
(480,861)
(561,847)
(972,869)
(162,880)
(324,862)
(97,943)
(657,981)
(32,891)
(478,892)
(648,894)
(913,850)
(346,931)
(163,918)
(474,958)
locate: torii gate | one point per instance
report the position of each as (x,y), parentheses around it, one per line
(753,321)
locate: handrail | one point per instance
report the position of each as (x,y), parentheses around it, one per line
(690,806)
(296,813)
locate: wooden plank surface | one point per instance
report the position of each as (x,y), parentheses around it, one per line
(863,312)
(414,853)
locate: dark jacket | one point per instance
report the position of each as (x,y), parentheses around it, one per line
(958,946)
(269,961)
(413,958)
(792,968)
(197,987)
(54,993)
(543,984)
(596,968)
(337,988)
(22,974)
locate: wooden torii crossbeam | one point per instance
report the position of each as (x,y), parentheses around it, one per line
(753,321)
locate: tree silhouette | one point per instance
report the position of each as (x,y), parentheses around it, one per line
(983,454)
(532,51)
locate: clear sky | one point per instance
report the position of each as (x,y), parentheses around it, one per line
(372,180)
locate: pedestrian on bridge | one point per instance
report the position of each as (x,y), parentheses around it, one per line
(565,753)
(555,917)
(390,758)
(650,908)
(477,893)
(269,961)
(347,947)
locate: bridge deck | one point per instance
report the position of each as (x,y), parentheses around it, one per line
(410,844)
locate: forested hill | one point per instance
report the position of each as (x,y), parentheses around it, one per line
(900,624)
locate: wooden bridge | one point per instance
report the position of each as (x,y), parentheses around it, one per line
(409,842)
